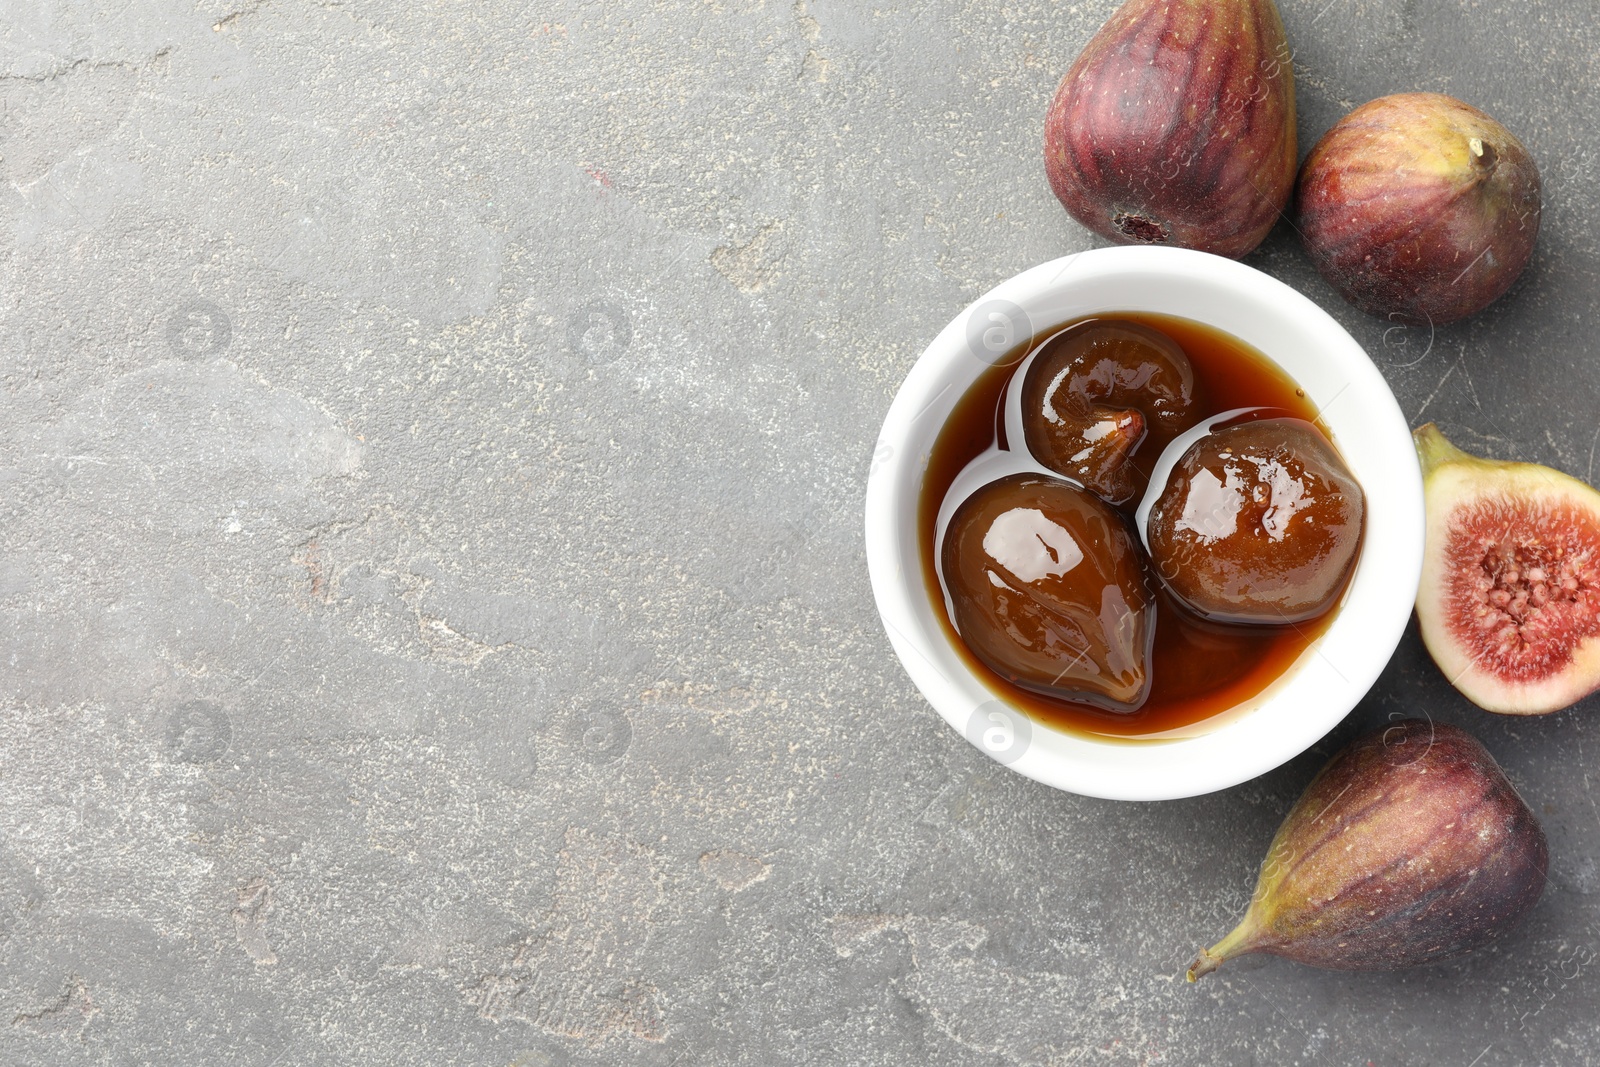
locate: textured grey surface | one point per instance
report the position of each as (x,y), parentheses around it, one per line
(433,613)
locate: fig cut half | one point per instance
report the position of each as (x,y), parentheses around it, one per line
(1509,604)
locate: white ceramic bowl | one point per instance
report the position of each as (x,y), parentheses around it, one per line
(1327,680)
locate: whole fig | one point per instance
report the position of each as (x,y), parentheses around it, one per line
(1419,208)
(1102,399)
(1509,604)
(1259,522)
(1175,125)
(1410,846)
(1048,588)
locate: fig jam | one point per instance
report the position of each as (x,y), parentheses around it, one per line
(1199,669)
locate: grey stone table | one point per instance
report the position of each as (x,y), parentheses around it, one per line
(433,617)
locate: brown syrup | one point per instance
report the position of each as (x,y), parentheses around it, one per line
(1200,670)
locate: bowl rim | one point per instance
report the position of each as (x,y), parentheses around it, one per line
(1358,407)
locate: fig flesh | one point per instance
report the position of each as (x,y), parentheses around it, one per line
(1410,846)
(1099,393)
(1419,208)
(1509,604)
(1259,522)
(1176,125)
(1048,588)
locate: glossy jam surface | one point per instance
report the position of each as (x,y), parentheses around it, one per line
(1102,399)
(1051,590)
(1258,523)
(1198,669)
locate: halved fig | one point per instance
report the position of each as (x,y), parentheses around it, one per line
(1509,604)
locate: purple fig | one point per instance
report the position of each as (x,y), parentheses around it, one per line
(1419,208)
(1410,846)
(1509,604)
(1175,125)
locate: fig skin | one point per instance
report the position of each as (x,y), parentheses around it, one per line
(1497,532)
(1419,208)
(1176,125)
(1409,847)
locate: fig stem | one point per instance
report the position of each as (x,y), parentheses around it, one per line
(1434,450)
(1239,942)
(1203,965)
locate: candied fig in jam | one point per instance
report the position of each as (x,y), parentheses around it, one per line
(1258,523)
(1096,393)
(1048,587)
